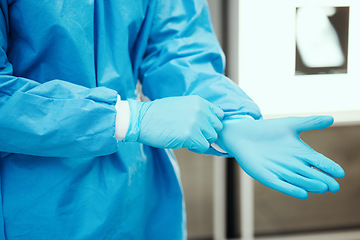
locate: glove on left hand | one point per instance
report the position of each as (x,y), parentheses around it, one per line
(272,152)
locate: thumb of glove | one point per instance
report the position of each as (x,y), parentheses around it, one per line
(301,124)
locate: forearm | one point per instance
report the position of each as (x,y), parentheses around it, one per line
(56,118)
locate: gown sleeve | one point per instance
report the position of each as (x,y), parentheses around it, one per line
(183,57)
(53,119)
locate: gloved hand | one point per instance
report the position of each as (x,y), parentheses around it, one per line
(175,122)
(272,152)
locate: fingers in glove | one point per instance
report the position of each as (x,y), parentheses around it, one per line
(310,172)
(214,119)
(218,112)
(285,187)
(311,123)
(308,184)
(324,164)
(198,144)
(209,133)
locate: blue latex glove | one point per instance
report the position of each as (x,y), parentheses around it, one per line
(272,152)
(176,122)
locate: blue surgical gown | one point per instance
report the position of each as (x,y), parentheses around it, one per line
(62,64)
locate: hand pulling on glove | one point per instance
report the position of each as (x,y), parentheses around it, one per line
(175,122)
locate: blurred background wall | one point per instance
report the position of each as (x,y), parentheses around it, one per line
(275,213)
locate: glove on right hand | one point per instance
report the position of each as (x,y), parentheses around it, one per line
(175,122)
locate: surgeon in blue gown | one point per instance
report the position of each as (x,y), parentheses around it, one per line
(82,158)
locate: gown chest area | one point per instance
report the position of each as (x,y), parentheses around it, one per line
(84,17)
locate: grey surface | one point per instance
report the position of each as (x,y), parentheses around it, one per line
(197,180)
(217,18)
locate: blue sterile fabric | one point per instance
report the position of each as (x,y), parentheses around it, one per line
(62,64)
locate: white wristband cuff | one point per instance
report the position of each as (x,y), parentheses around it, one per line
(217,148)
(122,118)
(241,116)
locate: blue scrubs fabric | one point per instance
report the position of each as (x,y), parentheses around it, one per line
(62,64)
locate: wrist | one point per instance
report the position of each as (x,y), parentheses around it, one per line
(137,111)
(122,118)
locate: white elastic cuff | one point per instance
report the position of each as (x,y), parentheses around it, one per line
(241,116)
(217,148)
(122,118)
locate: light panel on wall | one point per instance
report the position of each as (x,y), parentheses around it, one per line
(301,57)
